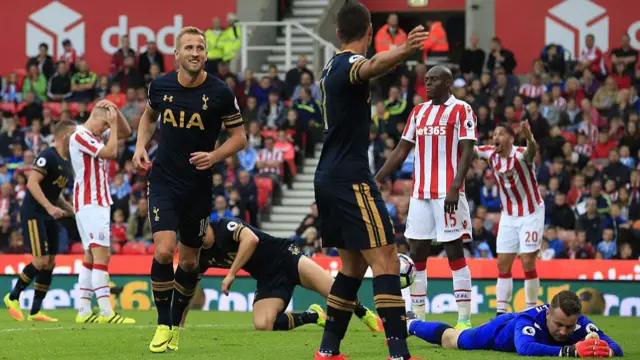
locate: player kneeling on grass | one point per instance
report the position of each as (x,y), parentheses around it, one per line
(555,329)
(278,266)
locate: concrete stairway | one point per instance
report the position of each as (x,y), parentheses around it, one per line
(296,203)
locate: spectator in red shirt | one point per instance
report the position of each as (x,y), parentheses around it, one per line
(518,107)
(604,145)
(118,228)
(577,189)
(591,58)
(621,76)
(116,95)
(69,55)
(117,59)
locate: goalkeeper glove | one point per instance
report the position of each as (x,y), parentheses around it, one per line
(591,348)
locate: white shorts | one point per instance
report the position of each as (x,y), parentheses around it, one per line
(427,221)
(94,226)
(520,234)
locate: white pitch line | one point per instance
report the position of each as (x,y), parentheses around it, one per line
(99,327)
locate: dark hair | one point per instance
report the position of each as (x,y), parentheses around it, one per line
(568,302)
(66,42)
(496,39)
(353,20)
(44,45)
(506,128)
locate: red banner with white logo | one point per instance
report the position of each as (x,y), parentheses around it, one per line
(438,267)
(525,27)
(94,27)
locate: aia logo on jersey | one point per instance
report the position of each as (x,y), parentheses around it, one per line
(431,130)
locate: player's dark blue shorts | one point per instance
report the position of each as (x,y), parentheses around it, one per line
(41,234)
(486,336)
(180,211)
(353,216)
(279,280)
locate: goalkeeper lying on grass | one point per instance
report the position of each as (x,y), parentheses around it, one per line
(555,329)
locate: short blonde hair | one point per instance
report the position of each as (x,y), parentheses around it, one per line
(188,30)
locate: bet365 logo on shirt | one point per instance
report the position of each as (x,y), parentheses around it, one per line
(431,130)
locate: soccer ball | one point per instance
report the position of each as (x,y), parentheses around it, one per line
(407,270)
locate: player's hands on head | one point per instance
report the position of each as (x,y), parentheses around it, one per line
(451,200)
(203,160)
(592,348)
(141,159)
(112,116)
(415,39)
(104,103)
(227,282)
(56,212)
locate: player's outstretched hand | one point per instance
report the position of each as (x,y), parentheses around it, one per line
(203,160)
(526,130)
(415,39)
(141,159)
(451,200)
(56,212)
(227,282)
(593,348)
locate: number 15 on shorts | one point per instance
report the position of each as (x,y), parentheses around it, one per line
(450,220)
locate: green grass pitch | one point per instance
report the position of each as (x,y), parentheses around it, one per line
(229,335)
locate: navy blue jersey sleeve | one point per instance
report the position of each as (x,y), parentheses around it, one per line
(152,95)
(355,62)
(44,162)
(587,326)
(526,342)
(230,114)
(228,228)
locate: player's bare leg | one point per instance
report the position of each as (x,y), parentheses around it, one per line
(342,301)
(162,283)
(531,280)
(388,298)
(100,282)
(186,281)
(461,281)
(266,313)
(504,286)
(419,252)
(314,277)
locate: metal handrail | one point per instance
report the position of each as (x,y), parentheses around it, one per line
(329,48)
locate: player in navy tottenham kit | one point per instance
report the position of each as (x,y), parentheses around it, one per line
(278,266)
(354,217)
(554,329)
(41,207)
(191,106)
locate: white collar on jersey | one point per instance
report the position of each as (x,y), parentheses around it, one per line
(450,100)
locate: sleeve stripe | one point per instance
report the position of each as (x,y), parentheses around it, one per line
(42,171)
(231,117)
(237,231)
(354,74)
(84,143)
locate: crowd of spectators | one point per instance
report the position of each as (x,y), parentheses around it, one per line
(583,112)
(277,113)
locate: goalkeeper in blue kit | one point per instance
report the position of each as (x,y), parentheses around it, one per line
(554,329)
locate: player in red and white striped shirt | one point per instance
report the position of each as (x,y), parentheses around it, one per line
(443,131)
(522,220)
(91,202)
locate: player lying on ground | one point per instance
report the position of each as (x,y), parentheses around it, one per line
(278,266)
(555,329)
(41,208)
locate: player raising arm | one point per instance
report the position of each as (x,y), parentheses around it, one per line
(354,217)
(92,202)
(522,219)
(555,329)
(278,266)
(192,106)
(443,131)
(42,206)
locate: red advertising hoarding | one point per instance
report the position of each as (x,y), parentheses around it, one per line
(95,26)
(526,26)
(438,267)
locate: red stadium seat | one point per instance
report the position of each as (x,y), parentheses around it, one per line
(116,247)
(54,107)
(76,248)
(570,136)
(263,197)
(269,133)
(134,248)
(9,107)
(74,108)
(151,249)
